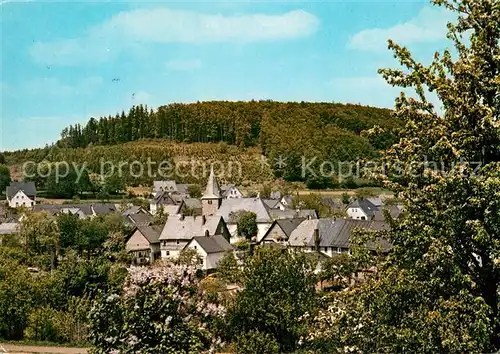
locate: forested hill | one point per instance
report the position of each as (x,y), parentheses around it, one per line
(236,123)
(328,131)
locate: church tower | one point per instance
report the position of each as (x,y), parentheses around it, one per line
(211,199)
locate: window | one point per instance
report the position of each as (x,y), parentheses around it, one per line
(168,253)
(194,247)
(177,241)
(326,249)
(312,248)
(209,202)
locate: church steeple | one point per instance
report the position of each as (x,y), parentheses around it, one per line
(211,199)
(212,191)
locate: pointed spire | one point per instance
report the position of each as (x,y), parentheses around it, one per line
(212,191)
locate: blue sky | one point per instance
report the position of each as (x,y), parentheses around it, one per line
(63,62)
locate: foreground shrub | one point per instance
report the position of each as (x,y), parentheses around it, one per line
(257,342)
(161,310)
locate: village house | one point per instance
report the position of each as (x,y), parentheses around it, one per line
(293,214)
(191,206)
(179,230)
(144,244)
(162,200)
(21,194)
(281,230)
(229,191)
(361,209)
(332,236)
(170,186)
(82,210)
(211,249)
(139,220)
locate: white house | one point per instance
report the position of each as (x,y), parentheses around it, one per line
(21,194)
(211,249)
(361,209)
(229,191)
(180,229)
(144,244)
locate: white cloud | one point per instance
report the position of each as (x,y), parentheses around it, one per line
(428,26)
(183,65)
(163,25)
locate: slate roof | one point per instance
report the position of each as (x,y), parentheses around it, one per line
(180,227)
(163,198)
(86,209)
(54,209)
(394,211)
(255,205)
(288,200)
(288,225)
(140,219)
(212,191)
(27,187)
(377,201)
(271,203)
(192,203)
(364,204)
(134,209)
(213,244)
(303,233)
(334,232)
(151,233)
(292,214)
(103,208)
(171,209)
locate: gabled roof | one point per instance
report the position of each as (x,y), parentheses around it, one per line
(140,219)
(303,233)
(292,214)
(334,232)
(27,187)
(192,203)
(213,244)
(212,191)
(180,227)
(288,225)
(270,203)
(377,201)
(163,198)
(151,233)
(54,209)
(103,208)
(227,188)
(165,186)
(254,205)
(364,204)
(134,209)
(287,199)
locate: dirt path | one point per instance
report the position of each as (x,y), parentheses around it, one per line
(27,349)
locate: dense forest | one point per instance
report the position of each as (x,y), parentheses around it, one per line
(329,131)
